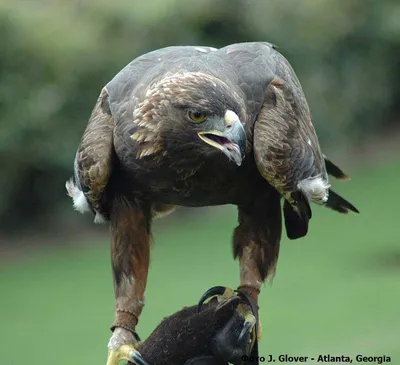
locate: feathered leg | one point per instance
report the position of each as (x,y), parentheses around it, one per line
(130,253)
(256,243)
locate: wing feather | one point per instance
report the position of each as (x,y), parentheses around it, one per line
(286,147)
(93,161)
(288,156)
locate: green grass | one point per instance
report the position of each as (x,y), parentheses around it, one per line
(336,291)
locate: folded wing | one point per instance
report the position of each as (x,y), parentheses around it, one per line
(288,156)
(93,162)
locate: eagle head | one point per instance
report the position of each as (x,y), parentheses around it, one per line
(191,113)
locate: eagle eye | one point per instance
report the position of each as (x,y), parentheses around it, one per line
(196,116)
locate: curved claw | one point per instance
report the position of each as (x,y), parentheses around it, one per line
(248,326)
(221,291)
(138,359)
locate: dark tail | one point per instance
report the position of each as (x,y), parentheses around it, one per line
(334,170)
(296,218)
(336,202)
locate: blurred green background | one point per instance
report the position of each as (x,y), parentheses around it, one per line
(336,291)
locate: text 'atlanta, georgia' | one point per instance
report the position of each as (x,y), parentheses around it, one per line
(284,358)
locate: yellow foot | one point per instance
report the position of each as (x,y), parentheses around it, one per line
(247,309)
(125,352)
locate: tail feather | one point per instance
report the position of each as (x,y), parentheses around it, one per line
(334,170)
(336,202)
(297,217)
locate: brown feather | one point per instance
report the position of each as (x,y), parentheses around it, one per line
(260,227)
(95,152)
(335,170)
(130,257)
(286,147)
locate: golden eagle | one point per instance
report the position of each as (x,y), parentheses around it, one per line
(199,126)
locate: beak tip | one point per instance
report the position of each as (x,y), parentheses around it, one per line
(236,135)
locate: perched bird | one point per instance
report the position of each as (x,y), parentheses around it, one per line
(199,126)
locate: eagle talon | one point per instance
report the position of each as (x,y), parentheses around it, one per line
(247,310)
(222,293)
(248,326)
(138,359)
(125,352)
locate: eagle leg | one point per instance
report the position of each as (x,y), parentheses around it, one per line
(130,256)
(256,243)
(247,310)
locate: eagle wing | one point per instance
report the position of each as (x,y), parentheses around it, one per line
(286,147)
(96,156)
(288,155)
(94,161)
(285,144)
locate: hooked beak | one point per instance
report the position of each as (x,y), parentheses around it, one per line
(232,142)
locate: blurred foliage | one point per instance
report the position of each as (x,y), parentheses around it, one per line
(57,55)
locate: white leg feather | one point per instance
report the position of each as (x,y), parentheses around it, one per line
(316,189)
(80,202)
(99,218)
(120,337)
